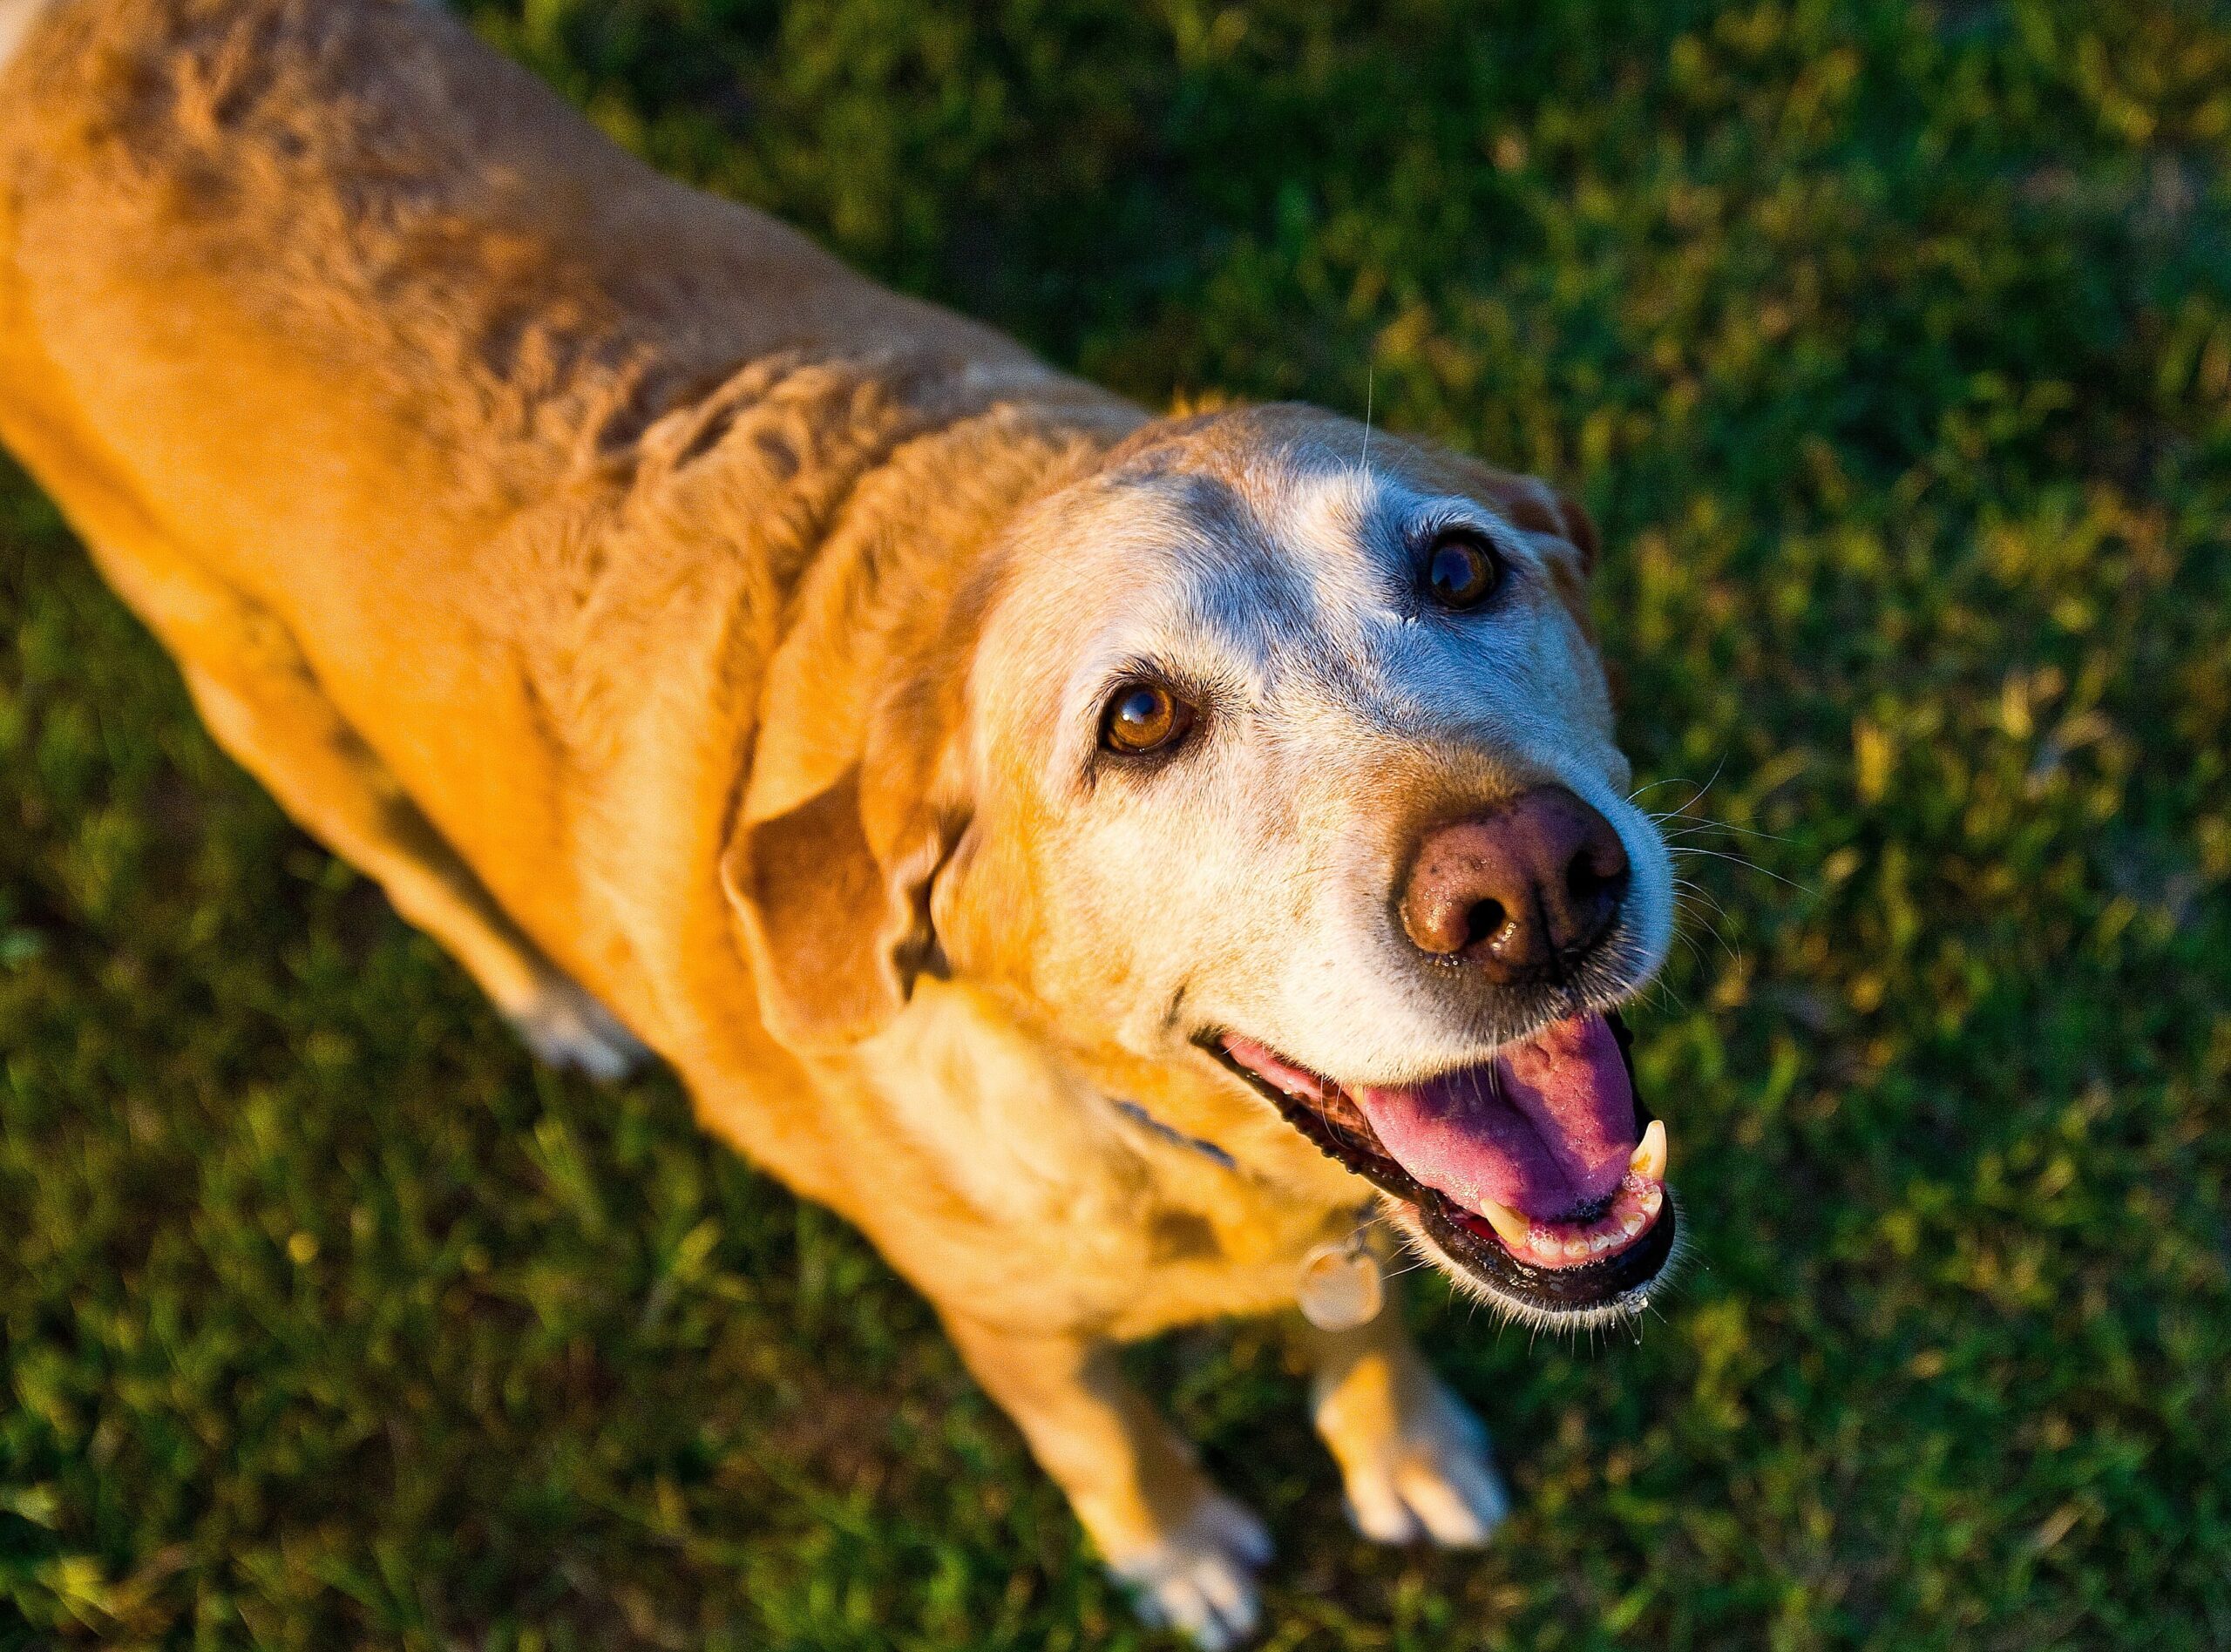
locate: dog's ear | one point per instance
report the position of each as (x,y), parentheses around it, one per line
(837,929)
(1578,528)
(1533,504)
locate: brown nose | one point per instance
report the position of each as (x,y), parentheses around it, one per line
(1519,892)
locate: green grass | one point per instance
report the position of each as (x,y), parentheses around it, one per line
(1891,345)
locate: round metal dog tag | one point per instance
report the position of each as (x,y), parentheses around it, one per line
(1340,1286)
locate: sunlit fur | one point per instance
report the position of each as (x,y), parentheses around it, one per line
(707,648)
(1250,879)
(1248,882)
(14,23)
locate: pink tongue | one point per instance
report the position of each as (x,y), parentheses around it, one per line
(1546,1127)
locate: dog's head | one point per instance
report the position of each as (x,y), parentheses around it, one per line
(1292,771)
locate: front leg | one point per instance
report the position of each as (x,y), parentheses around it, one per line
(1415,1458)
(1188,1552)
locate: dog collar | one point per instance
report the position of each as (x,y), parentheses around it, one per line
(1340,1284)
(1139,1115)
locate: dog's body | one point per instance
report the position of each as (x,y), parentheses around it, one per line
(607,571)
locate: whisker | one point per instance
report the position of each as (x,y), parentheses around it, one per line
(1675,846)
(1370,373)
(1690,891)
(1695,797)
(1697,824)
(1664,987)
(1748,865)
(1702,917)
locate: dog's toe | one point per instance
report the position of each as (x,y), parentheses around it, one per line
(1200,1579)
(1435,1480)
(1236,1527)
(1460,1500)
(568,1029)
(1376,1510)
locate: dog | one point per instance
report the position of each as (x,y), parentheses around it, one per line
(1138,868)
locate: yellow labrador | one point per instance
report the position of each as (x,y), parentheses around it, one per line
(1107,858)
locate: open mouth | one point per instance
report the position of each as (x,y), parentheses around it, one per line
(1537,1173)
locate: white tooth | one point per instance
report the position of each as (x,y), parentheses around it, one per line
(1652,1200)
(1632,1223)
(1576,1248)
(1599,1243)
(1507,1222)
(1648,1161)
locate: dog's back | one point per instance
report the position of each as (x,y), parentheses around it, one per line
(359,187)
(366,367)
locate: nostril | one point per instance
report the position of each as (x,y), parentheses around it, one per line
(1518,891)
(1595,883)
(1588,883)
(1484,920)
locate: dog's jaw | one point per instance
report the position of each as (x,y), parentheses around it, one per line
(1593,1265)
(1620,1308)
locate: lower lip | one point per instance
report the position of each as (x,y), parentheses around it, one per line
(1554,1292)
(1598,1284)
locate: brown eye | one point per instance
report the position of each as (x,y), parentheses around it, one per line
(1144,717)
(1463,571)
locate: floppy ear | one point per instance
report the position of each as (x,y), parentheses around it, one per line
(1578,528)
(1536,506)
(836,932)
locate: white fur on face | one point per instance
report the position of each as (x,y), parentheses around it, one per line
(1248,882)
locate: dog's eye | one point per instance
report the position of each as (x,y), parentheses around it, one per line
(1144,717)
(1463,570)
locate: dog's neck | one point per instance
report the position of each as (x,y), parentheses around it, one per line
(886,609)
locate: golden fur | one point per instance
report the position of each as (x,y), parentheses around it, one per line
(677,626)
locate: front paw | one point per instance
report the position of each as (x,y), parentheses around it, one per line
(567,1028)
(1430,1476)
(1200,1578)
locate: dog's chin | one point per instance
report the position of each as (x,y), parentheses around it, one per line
(1596,1296)
(1597,1262)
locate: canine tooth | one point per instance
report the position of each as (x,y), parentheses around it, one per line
(1648,1161)
(1508,1224)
